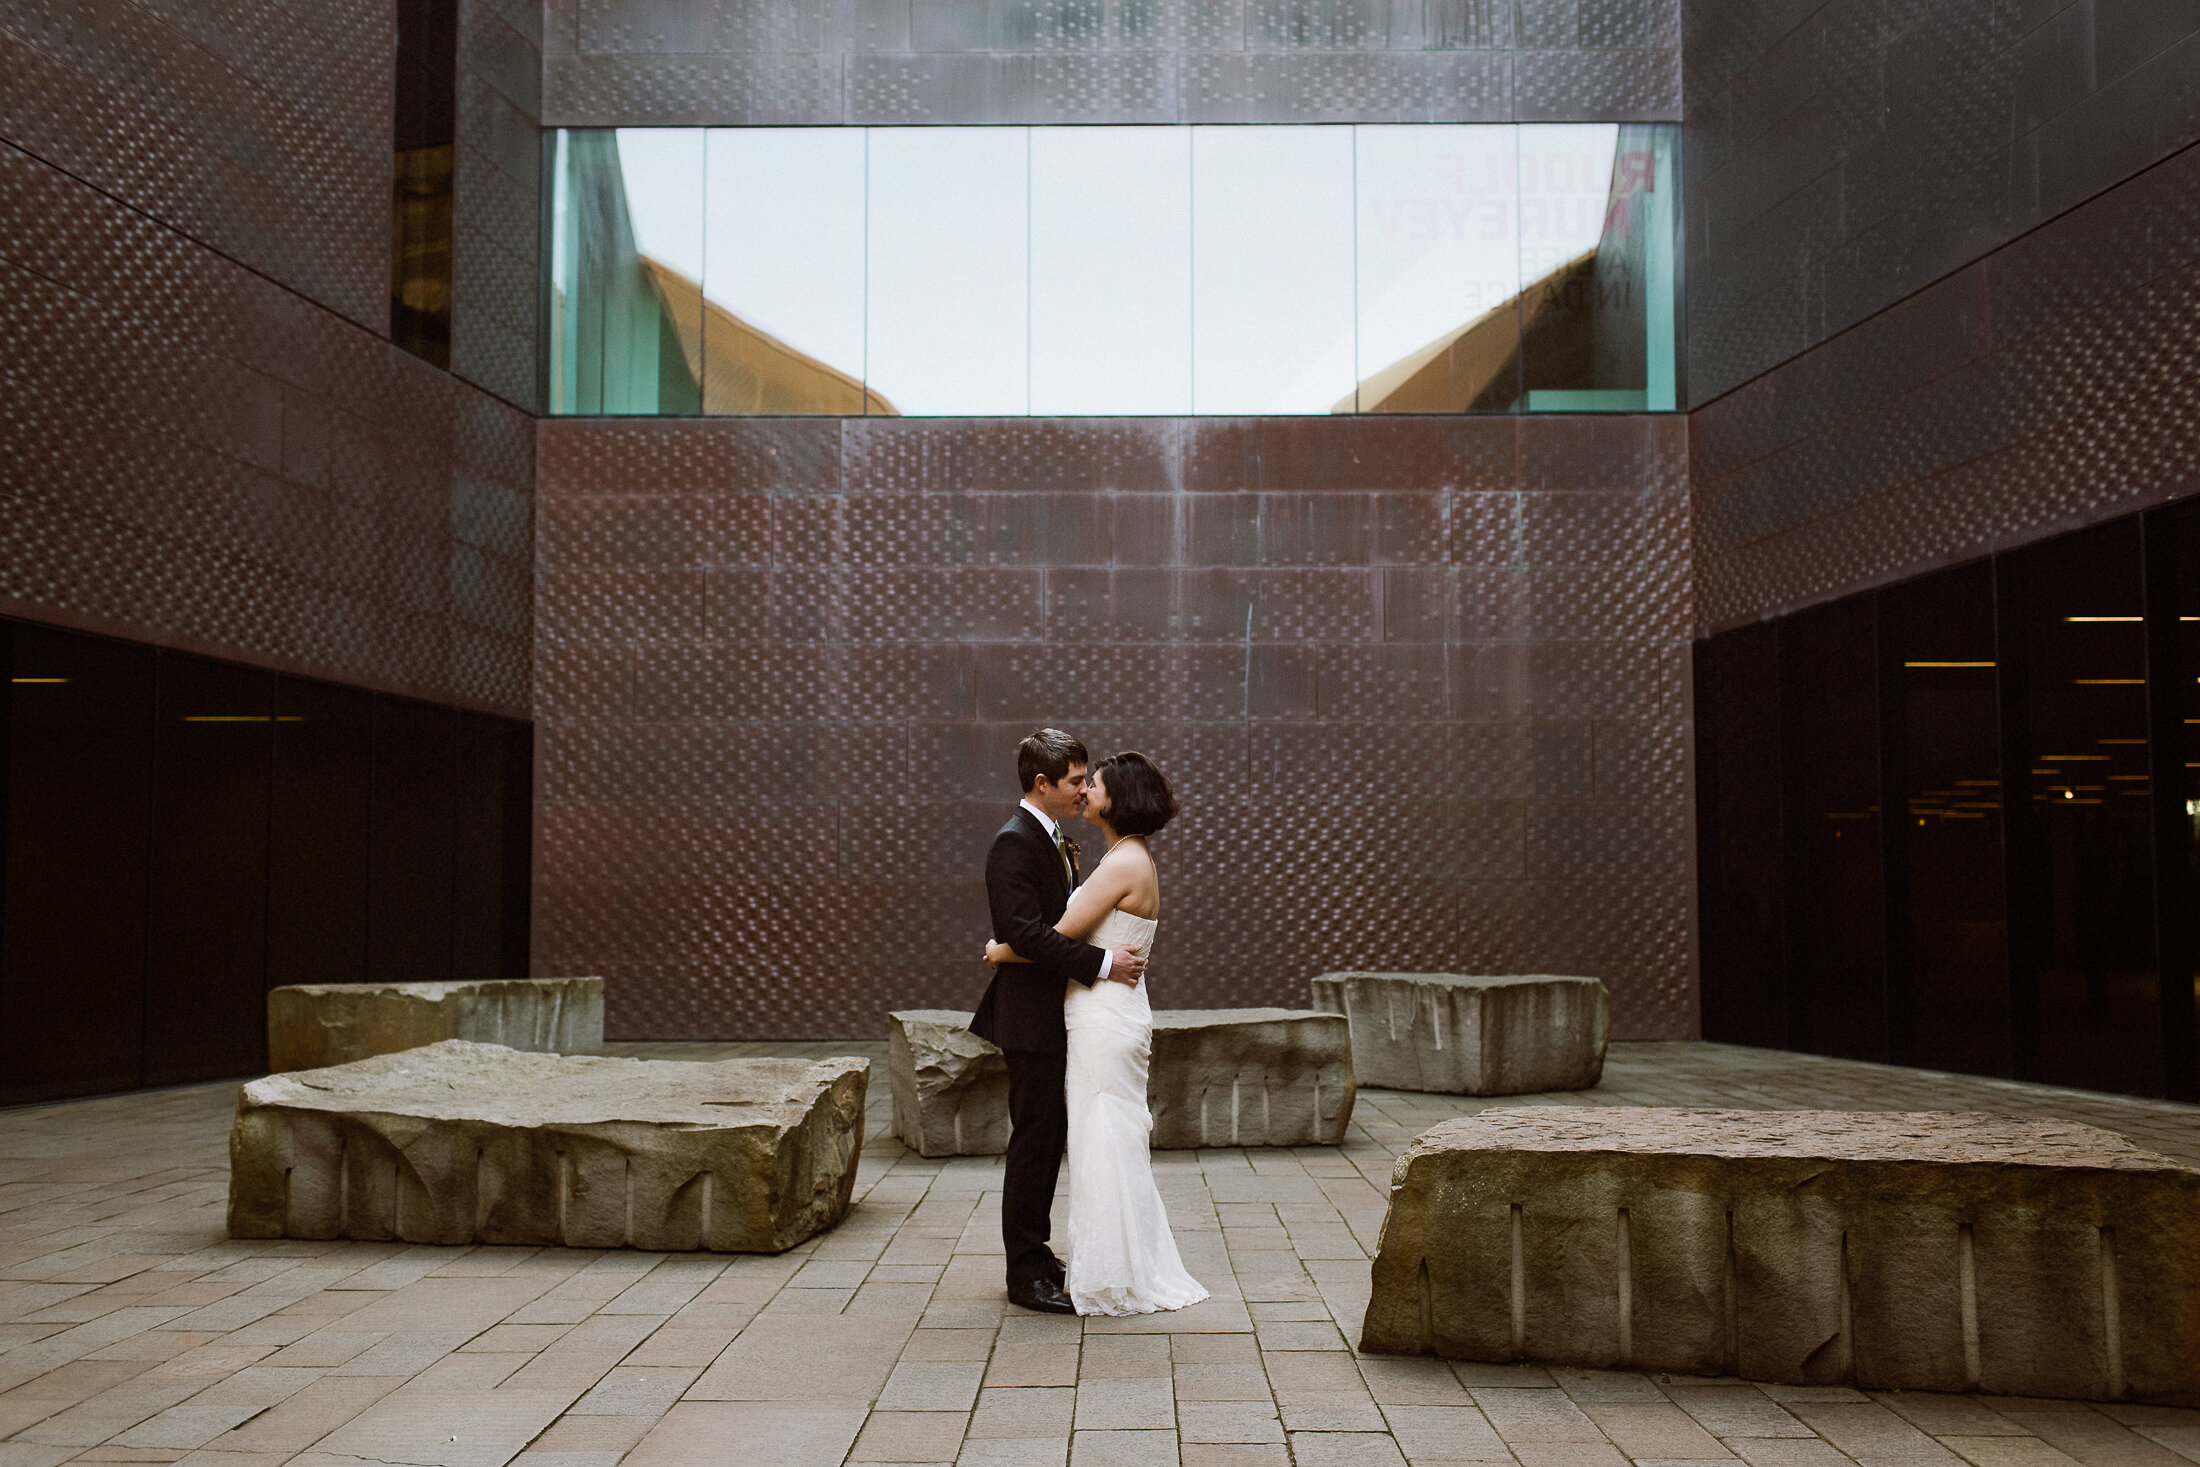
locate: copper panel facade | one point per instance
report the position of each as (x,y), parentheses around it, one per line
(1421,684)
(497,225)
(2044,387)
(1843,156)
(642,63)
(202,459)
(261,130)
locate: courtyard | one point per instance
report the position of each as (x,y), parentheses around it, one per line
(133,1330)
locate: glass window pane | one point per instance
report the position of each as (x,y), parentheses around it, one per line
(1111,270)
(626,258)
(1597,222)
(2173,611)
(1439,269)
(1272,270)
(79,740)
(317,867)
(1947,975)
(783,271)
(206,912)
(949,295)
(1829,754)
(2081,829)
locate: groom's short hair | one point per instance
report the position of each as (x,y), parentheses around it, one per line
(1049,752)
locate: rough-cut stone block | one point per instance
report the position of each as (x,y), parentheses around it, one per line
(1249,1077)
(1933,1251)
(464,1143)
(1219,1077)
(310,1025)
(1456,1034)
(950,1087)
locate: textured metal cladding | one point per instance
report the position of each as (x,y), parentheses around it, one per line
(648,62)
(205,460)
(497,201)
(262,130)
(1419,681)
(1841,157)
(1923,437)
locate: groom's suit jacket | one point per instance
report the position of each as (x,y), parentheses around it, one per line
(1027,890)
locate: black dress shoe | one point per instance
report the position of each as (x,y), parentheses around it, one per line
(1043,1295)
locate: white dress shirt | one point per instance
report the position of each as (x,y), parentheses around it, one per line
(1046,823)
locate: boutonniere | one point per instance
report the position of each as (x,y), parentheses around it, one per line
(1070,846)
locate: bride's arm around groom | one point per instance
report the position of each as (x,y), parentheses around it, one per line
(1111,882)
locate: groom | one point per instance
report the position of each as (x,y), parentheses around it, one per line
(1029,874)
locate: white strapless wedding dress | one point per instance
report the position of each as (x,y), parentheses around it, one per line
(1122,1259)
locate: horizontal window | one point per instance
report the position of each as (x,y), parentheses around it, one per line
(1078,271)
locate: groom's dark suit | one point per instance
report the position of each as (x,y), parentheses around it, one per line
(1027,888)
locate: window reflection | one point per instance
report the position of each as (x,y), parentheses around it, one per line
(783,272)
(1596,268)
(1271,269)
(1947,973)
(1111,278)
(949,269)
(2081,827)
(1438,245)
(1090,270)
(626,235)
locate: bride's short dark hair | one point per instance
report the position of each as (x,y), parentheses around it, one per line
(1140,801)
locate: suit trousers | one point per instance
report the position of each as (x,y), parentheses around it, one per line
(1038,1117)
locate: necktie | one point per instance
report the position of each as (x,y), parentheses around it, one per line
(1061,848)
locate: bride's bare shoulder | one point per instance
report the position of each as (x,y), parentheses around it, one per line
(1129,855)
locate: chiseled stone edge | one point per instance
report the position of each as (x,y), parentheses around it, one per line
(679,1185)
(916,1099)
(1178,1031)
(1854,1267)
(316,1025)
(1479,1061)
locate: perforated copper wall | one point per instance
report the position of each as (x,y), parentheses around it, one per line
(496,228)
(197,456)
(1842,156)
(1421,683)
(2047,386)
(638,63)
(260,129)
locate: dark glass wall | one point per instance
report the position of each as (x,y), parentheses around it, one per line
(1976,802)
(182,834)
(1829,861)
(425,129)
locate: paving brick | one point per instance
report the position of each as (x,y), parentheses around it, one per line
(909,1328)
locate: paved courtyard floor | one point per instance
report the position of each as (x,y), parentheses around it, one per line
(132,1330)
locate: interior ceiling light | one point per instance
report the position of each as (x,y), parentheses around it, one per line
(2118,618)
(63,680)
(2104,682)
(2119,741)
(1952,664)
(2073,758)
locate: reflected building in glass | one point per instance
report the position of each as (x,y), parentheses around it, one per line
(1114,271)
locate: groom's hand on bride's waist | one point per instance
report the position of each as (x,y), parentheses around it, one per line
(1127,967)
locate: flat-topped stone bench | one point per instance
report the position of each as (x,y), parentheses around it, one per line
(1932,1251)
(1250,1077)
(1462,1034)
(1219,1077)
(475,1143)
(310,1025)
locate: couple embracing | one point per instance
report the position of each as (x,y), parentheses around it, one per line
(1067,1007)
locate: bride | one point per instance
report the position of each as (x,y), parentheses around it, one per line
(1122,1258)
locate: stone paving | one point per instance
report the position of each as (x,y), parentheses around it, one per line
(131,1330)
